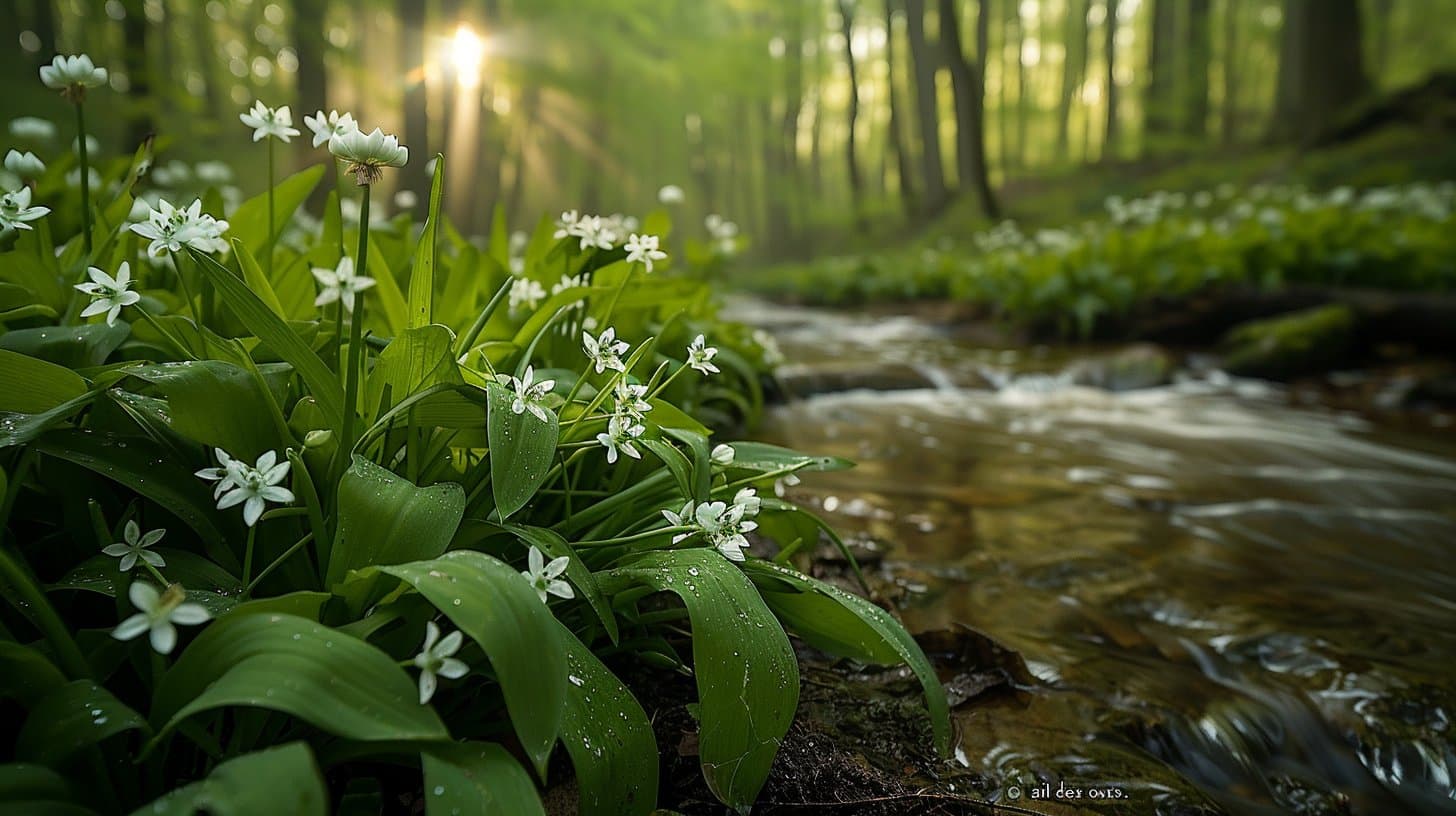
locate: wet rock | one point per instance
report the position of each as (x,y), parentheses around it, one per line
(1142,366)
(1293,345)
(830,378)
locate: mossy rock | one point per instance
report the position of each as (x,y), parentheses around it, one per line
(1297,344)
(1141,366)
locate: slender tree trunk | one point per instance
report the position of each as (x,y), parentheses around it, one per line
(897,139)
(1023,102)
(1160,95)
(790,189)
(816,127)
(410,15)
(1231,71)
(924,60)
(1111,141)
(141,112)
(1074,67)
(1198,61)
(1383,11)
(1321,67)
(969,87)
(856,182)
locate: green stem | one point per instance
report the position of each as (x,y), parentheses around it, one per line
(176,344)
(248,553)
(85,178)
(637,537)
(272,224)
(307,537)
(356,337)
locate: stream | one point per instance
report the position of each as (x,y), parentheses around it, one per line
(1232,601)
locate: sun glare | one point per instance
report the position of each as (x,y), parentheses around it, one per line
(467,53)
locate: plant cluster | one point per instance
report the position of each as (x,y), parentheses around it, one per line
(275,512)
(1165,245)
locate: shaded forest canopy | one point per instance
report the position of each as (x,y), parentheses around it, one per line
(811,122)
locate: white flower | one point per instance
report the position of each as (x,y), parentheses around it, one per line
(159,615)
(682,518)
(643,249)
(545,577)
(621,430)
(16,212)
(518,266)
(519,240)
(782,485)
(722,455)
(213,172)
(591,232)
(109,294)
(700,356)
(747,498)
(616,227)
(368,153)
(135,547)
(723,526)
(628,399)
(266,121)
(529,395)
(327,127)
(340,283)
(566,282)
(72,76)
(170,229)
(33,128)
(526,292)
(671,194)
(251,486)
(720,228)
(566,224)
(436,658)
(73,178)
(406,199)
(606,351)
(25,165)
(772,355)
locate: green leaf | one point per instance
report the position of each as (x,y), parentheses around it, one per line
(271,329)
(608,737)
(392,307)
(33,386)
(19,429)
(283,781)
(256,280)
(748,678)
(492,604)
(217,404)
(26,675)
(422,274)
(300,667)
(415,360)
(36,790)
(521,450)
(385,519)
(764,458)
(70,346)
(72,717)
(477,778)
(682,469)
(666,415)
(846,625)
(249,222)
(577,572)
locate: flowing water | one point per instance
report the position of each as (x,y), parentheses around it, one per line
(1231,601)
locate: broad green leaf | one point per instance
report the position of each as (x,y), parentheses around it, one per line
(300,667)
(666,415)
(577,572)
(413,361)
(835,621)
(493,605)
(392,307)
(283,781)
(256,280)
(33,386)
(70,718)
(217,404)
(422,273)
(747,675)
(764,458)
(477,778)
(249,222)
(26,675)
(521,449)
(36,790)
(207,583)
(385,519)
(70,346)
(702,458)
(682,469)
(271,329)
(19,429)
(608,736)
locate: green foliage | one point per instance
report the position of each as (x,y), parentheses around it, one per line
(301,495)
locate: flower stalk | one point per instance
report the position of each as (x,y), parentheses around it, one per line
(85,175)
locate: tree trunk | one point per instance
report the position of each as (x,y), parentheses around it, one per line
(790,190)
(1160,96)
(1321,67)
(925,103)
(1231,73)
(1109,46)
(1198,61)
(1074,68)
(856,183)
(1383,11)
(897,138)
(966,79)
(141,111)
(411,18)
(1023,107)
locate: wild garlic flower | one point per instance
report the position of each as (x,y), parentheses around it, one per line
(604,352)
(213,172)
(722,455)
(772,354)
(643,249)
(133,547)
(252,486)
(26,165)
(529,394)
(525,292)
(266,121)
(748,499)
(108,295)
(161,613)
(170,229)
(72,76)
(621,431)
(671,194)
(566,224)
(723,526)
(340,284)
(16,212)
(437,659)
(616,227)
(700,356)
(368,153)
(680,518)
(545,576)
(33,128)
(628,400)
(325,127)
(591,232)
(782,484)
(566,282)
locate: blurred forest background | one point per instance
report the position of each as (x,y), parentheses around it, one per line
(816,124)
